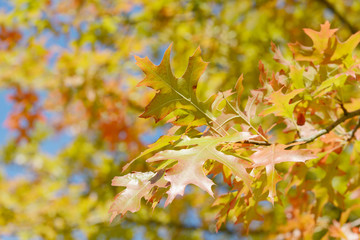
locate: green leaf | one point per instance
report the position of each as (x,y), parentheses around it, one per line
(296,76)
(175,93)
(345,49)
(327,85)
(280,104)
(163,141)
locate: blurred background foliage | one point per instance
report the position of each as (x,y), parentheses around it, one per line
(70,107)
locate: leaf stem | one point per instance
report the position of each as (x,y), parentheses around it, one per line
(243,117)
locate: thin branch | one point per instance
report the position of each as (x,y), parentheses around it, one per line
(342,18)
(352,135)
(344,109)
(327,129)
(261,143)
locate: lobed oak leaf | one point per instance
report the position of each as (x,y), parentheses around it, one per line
(189,168)
(328,85)
(175,93)
(321,38)
(344,49)
(327,48)
(269,156)
(138,185)
(281,104)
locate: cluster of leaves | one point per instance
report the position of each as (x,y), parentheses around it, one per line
(26,112)
(72,117)
(307,112)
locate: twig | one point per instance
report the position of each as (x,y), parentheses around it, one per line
(352,135)
(327,129)
(256,142)
(343,108)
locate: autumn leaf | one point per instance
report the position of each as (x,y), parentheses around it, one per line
(281,105)
(329,84)
(162,142)
(138,185)
(175,93)
(296,76)
(189,168)
(278,55)
(327,48)
(324,42)
(274,154)
(321,39)
(344,49)
(239,89)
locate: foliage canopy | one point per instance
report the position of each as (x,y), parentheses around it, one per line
(238,147)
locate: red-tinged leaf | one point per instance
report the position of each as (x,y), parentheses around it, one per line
(263,74)
(277,81)
(189,169)
(278,55)
(138,185)
(269,156)
(277,154)
(175,93)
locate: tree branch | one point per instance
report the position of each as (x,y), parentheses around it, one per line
(352,135)
(327,129)
(342,18)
